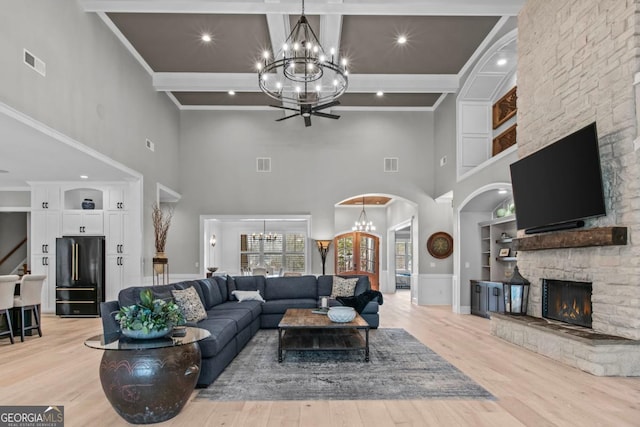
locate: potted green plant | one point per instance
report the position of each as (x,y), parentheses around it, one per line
(151,318)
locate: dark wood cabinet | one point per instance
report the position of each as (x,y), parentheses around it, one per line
(486,297)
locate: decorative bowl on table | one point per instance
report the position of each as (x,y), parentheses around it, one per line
(140,334)
(341,314)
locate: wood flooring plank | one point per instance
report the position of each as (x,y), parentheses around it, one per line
(530,389)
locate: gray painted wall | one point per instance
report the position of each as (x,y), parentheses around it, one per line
(13,228)
(94,90)
(313,169)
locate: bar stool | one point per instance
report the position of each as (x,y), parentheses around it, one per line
(29,299)
(7,288)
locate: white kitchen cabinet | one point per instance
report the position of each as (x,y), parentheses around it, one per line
(45,227)
(121,273)
(45,197)
(116,198)
(82,222)
(117,228)
(46,264)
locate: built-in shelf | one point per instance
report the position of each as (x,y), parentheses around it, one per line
(507,240)
(602,236)
(506,258)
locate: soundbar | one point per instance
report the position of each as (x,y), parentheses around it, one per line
(555,227)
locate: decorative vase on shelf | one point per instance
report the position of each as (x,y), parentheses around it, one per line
(88,204)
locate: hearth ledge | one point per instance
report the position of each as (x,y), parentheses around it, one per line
(592,352)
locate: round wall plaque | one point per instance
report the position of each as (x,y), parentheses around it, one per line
(440,245)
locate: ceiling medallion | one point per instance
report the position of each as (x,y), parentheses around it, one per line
(303,74)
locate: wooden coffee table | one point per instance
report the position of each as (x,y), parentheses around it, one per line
(302,330)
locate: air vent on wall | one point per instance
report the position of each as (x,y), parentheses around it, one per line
(150,145)
(391,164)
(35,63)
(263,164)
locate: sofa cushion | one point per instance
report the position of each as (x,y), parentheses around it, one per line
(279,306)
(291,287)
(231,286)
(362,285)
(242,317)
(221,281)
(222,331)
(190,304)
(131,296)
(325,283)
(254,307)
(343,287)
(250,283)
(211,292)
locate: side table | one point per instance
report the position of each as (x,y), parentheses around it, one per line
(149,381)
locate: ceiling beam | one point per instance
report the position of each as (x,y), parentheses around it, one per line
(248,82)
(327,7)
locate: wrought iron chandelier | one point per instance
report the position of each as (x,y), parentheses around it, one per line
(302,72)
(363,223)
(264,236)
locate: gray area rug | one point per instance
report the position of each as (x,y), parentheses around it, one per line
(400,368)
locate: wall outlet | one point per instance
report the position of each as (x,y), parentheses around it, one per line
(433,265)
(443,161)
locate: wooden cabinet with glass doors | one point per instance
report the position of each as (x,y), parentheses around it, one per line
(357,253)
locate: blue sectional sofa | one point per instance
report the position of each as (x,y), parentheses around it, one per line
(233,323)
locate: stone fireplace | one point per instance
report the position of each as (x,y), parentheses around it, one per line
(567,301)
(567,79)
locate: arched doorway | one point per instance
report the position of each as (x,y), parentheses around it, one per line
(358,253)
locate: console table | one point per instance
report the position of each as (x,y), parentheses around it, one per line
(149,381)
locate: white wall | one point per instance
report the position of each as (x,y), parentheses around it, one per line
(312,170)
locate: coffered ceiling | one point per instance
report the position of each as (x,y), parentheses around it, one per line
(443,38)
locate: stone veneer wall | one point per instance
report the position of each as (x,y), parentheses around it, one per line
(576,64)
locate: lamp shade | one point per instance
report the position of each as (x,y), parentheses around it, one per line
(516,294)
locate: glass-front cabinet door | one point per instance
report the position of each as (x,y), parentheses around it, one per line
(357,253)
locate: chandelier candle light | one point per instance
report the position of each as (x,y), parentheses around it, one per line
(363,223)
(264,236)
(301,72)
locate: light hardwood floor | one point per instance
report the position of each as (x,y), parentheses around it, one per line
(530,389)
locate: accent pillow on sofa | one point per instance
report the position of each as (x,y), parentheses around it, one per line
(248,296)
(343,287)
(190,304)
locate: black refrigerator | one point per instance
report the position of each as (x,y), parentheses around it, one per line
(79,275)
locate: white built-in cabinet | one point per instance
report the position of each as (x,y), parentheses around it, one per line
(45,227)
(56,210)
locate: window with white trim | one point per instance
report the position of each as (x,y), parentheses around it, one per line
(285,252)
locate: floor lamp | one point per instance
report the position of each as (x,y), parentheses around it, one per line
(323,247)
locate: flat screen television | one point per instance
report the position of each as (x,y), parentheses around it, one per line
(560,185)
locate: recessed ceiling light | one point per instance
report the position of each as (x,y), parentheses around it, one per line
(84,177)
(502,191)
(379,93)
(231,92)
(206,37)
(402,39)
(501,62)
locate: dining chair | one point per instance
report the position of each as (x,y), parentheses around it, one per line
(29,300)
(7,288)
(259,271)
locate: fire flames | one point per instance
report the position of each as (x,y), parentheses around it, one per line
(574,311)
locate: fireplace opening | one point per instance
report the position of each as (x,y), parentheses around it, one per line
(567,301)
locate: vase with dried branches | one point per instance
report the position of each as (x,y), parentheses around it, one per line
(161,222)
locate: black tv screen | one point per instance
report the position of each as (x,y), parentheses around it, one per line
(560,183)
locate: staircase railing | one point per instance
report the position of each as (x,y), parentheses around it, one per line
(12,251)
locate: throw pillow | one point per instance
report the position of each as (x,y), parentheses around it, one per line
(248,296)
(190,304)
(343,287)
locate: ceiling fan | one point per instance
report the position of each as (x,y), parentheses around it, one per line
(306,111)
